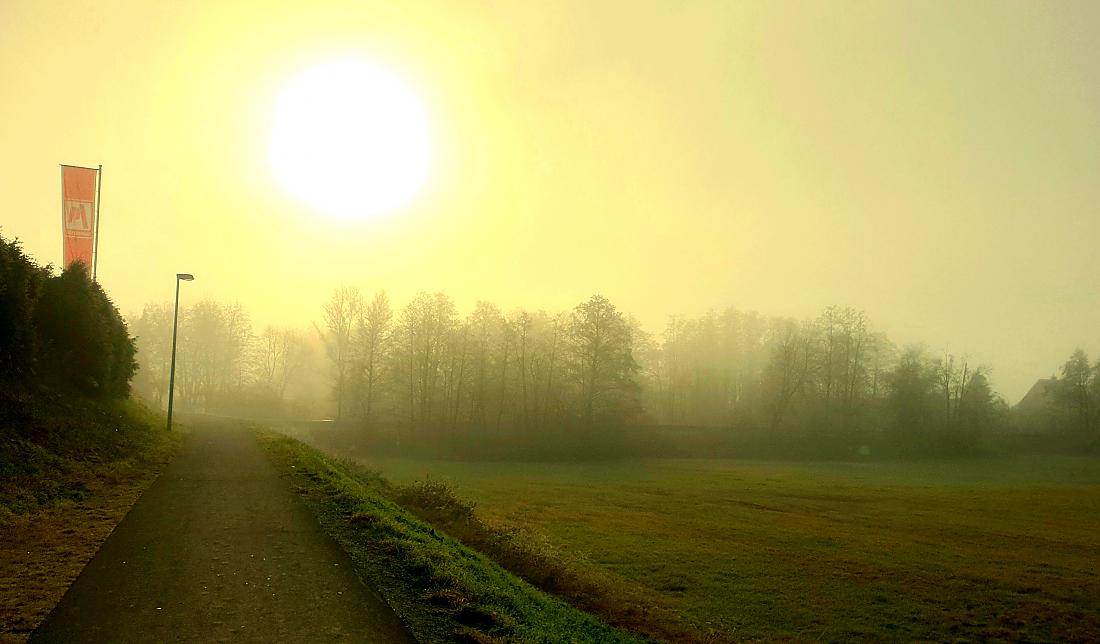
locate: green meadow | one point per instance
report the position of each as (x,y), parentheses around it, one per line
(964,549)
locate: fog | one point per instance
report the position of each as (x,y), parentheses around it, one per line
(556,320)
(931,165)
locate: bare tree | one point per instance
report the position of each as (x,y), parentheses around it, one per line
(218,361)
(152,332)
(485,324)
(280,355)
(340,314)
(954,377)
(374,329)
(602,361)
(855,337)
(794,355)
(425,325)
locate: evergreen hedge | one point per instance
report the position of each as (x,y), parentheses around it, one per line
(60,332)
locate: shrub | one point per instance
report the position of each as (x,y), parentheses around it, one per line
(62,332)
(21,282)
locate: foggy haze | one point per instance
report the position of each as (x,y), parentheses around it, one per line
(932,164)
(568,320)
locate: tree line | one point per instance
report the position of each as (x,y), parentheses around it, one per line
(222,364)
(833,372)
(421,365)
(590,369)
(594,366)
(424,365)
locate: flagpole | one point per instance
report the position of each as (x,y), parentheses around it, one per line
(98,192)
(62,216)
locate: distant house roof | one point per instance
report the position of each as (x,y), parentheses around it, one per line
(1040,395)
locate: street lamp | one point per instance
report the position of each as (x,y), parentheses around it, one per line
(187,277)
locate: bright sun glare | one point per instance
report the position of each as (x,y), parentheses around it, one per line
(350,139)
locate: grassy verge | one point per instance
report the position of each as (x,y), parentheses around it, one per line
(547,565)
(954,550)
(53,450)
(441,589)
(69,472)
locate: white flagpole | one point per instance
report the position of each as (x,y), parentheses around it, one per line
(98,192)
(62,216)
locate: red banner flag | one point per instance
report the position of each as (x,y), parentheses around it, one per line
(78,213)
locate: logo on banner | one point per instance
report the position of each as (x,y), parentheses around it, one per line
(78,218)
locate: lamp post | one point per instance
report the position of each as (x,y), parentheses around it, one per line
(187,277)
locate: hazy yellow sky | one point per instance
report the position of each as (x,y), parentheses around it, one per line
(936,164)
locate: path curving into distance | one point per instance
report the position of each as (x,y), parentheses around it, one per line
(219,548)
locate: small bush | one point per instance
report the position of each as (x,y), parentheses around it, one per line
(436,500)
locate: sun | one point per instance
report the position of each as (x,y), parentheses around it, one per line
(350,139)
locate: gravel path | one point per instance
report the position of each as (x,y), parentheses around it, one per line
(219,549)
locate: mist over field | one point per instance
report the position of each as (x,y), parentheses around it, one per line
(931,165)
(609,321)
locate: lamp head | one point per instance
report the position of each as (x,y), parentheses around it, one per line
(187,277)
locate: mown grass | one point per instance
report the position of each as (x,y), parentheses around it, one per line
(442,590)
(938,550)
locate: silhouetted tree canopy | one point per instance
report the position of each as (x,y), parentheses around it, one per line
(60,331)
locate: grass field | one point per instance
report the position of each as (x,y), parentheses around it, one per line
(999,548)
